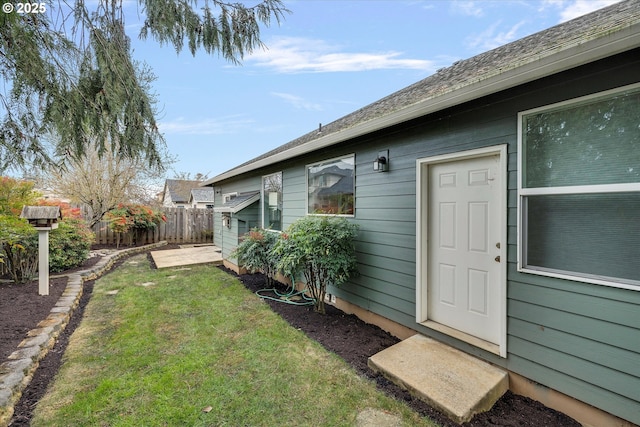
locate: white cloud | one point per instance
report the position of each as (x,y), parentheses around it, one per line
(205,126)
(582,7)
(421,3)
(469,8)
(297,101)
(300,55)
(492,37)
(495,36)
(552,3)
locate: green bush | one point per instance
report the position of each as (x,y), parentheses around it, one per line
(134,219)
(322,250)
(18,248)
(69,244)
(255,252)
(14,194)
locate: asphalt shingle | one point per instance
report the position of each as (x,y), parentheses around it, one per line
(479,68)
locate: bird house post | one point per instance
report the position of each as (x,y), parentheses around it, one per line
(44,219)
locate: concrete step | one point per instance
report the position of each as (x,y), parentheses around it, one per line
(455,383)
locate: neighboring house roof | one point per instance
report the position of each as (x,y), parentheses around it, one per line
(600,34)
(239,202)
(343,186)
(179,190)
(202,195)
(333,170)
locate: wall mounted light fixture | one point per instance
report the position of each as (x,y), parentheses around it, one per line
(226,220)
(381,163)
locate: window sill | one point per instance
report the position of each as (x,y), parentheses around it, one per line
(603,281)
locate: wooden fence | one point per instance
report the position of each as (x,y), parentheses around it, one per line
(182,226)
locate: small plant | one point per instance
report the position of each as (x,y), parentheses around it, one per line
(255,252)
(136,219)
(322,250)
(18,248)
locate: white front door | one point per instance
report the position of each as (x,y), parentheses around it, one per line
(464,244)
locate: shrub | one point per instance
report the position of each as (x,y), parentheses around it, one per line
(133,218)
(14,194)
(255,252)
(18,248)
(69,244)
(65,208)
(322,250)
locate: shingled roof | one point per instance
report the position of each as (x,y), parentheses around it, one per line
(179,189)
(603,33)
(239,202)
(202,195)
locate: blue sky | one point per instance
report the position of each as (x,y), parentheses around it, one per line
(326,59)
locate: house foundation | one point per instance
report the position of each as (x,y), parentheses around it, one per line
(585,414)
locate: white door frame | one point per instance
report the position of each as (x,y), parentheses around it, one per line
(422,177)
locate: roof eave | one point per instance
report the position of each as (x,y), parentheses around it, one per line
(574,56)
(240,206)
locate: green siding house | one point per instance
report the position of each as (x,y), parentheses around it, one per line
(499,209)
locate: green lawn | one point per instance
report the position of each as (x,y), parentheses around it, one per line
(193,347)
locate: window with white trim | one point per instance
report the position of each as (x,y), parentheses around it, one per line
(579,189)
(272,201)
(331,187)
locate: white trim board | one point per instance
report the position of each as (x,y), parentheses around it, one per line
(422,166)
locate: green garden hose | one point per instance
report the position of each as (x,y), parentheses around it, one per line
(286,297)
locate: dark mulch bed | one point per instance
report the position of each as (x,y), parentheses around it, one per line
(21,308)
(355,341)
(343,334)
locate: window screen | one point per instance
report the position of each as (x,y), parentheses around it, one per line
(580,188)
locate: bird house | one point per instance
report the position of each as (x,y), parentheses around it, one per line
(42,217)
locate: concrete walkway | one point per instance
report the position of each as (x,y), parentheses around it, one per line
(187,255)
(454,382)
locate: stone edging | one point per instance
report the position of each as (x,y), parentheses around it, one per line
(16,373)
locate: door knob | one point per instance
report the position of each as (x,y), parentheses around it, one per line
(497,258)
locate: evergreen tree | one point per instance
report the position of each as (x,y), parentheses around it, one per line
(69,72)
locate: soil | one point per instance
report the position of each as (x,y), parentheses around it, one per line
(352,339)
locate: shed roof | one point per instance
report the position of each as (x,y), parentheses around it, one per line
(41,212)
(239,202)
(594,36)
